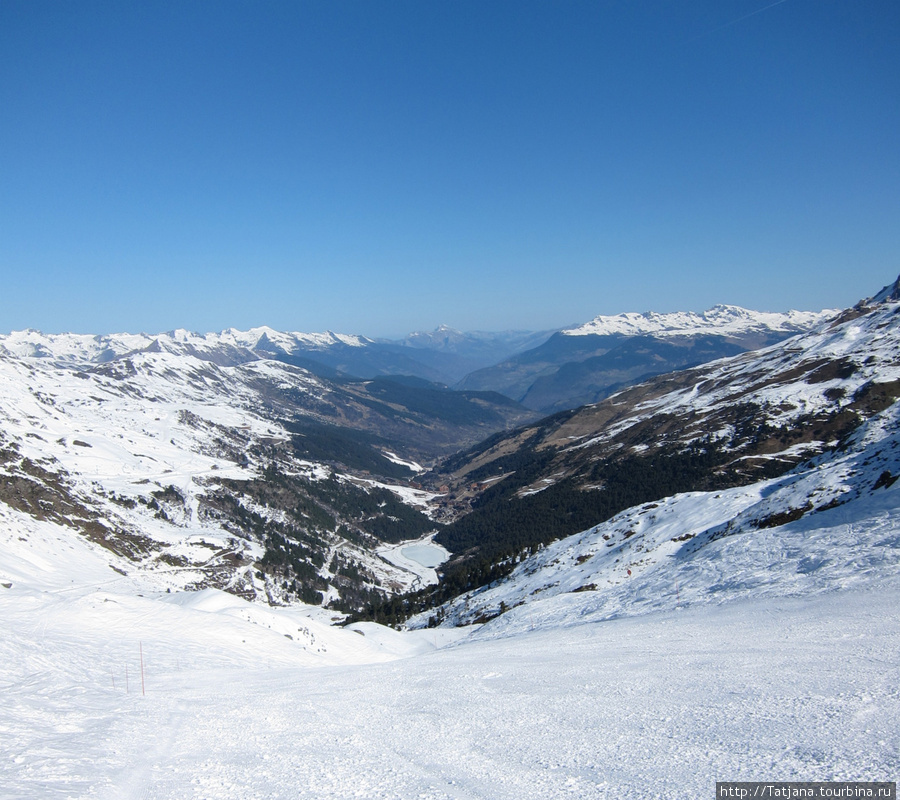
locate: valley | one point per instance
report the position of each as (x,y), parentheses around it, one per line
(274,465)
(449,400)
(222,574)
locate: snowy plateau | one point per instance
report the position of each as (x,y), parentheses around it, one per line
(747,633)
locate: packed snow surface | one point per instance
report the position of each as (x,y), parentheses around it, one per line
(750,634)
(115,688)
(654,706)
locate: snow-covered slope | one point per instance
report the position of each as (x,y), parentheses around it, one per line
(768,652)
(781,403)
(156,455)
(748,633)
(114,688)
(228,708)
(722,429)
(215,459)
(830,524)
(722,320)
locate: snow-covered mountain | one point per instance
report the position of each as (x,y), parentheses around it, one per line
(443,355)
(831,524)
(545,371)
(721,320)
(586,363)
(723,425)
(745,631)
(227,348)
(203,460)
(241,346)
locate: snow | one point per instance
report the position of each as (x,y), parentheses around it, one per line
(655,706)
(289,342)
(703,548)
(71,348)
(76,350)
(418,559)
(767,653)
(780,379)
(420,498)
(722,320)
(115,434)
(428,555)
(394,458)
(680,643)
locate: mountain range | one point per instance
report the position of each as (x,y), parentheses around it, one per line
(257,462)
(586,363)
(545,370)
(797,437)
(693,578)
(203,458)
(731,423)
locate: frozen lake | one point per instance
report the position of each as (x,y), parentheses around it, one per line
(428,555)
(417,560)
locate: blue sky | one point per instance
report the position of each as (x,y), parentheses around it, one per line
(381,167)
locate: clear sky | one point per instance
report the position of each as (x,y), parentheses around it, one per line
(378,167)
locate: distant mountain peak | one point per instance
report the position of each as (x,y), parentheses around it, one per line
(722,319)
(441,335)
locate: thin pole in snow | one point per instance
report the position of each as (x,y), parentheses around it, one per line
(142,668)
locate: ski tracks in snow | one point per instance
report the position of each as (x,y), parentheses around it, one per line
(141,777)
(655,706)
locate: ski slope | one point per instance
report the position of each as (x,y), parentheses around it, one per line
(115,688)
(750,634)
(653,706)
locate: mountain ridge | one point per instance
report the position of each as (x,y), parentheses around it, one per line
(218,467)
(465,360)
(151,445)
(728,424)
(722,319)
(586,363)
(821,527)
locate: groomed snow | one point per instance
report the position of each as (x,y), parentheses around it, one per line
(239,700)
(771,652)
(650,707)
